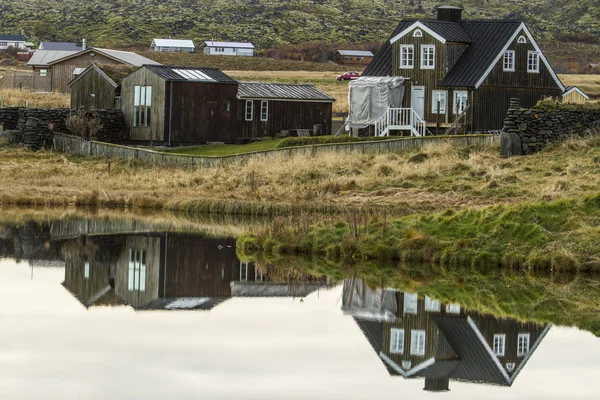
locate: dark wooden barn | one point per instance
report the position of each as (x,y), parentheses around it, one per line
(266,109)
(465,71)
(99,86)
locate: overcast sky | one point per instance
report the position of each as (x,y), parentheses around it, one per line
(51,347)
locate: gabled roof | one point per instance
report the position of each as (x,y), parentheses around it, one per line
(382,62)
(239,45)
(281,91)
(179,74)
(173,43)
(355,53)
(125,57)
(59,46)
(42,58)
(12,38)
(571,89)
(113,73)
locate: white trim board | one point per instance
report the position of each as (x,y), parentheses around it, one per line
(529,354)
(410,372)
(419,25)
(576,89)
(523,27)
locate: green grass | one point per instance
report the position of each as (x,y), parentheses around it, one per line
(226,149)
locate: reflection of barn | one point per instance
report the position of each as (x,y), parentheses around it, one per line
(167,271)
(422,338)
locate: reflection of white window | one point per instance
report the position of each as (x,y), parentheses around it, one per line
(438,98)
(533,61)
(510,367)
(432,304)
(249,110)
(406,364)
(407,56)
(453,308)
(418,33)
(137,270)
(499,344)
(460,101)
(264,110)
(397,341)
(243,271)
(142,102)
(522,39)
(411,302)
(427,56)
(86,270)
(417,343)
(43,72)
(509,61)
(522,344)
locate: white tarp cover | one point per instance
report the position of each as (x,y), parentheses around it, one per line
(361,301)
(370,97)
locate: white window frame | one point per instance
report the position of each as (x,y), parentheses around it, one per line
(432,305)
(86,270)
(522,39)
(464,99)
(533,67)
(43,72)
(442,94)
(428,61)
(508,61)
(523,343)
(407,62)
(142,106)
(499,344)
(264,110)
(136,281)
(3,44)
(417,342)
(249,114)
(396,341)
(418,33)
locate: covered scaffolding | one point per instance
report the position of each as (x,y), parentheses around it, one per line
(370,97)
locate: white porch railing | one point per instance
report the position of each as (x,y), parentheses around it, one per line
(401,119)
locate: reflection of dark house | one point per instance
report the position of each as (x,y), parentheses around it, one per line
(30,241)
(422,338)
(169,272)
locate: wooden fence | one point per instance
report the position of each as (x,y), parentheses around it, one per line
(75,145)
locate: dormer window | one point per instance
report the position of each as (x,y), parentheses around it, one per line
(427,56)
(533,62)
(509,61)
(407,56)
(522,40)
(418,33)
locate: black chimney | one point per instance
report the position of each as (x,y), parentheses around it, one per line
(449,13)
(437,384)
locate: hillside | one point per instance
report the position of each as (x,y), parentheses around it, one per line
(268,23)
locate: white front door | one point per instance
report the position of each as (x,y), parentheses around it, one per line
(417,100)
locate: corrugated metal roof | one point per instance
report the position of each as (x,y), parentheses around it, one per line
(43,57)
(128,57)
(244,45)
(13,38)
(173,43)
(170,73)
(451,31)
(356,53)
(281,91)
(59,46)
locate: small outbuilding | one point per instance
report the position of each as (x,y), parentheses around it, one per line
(181,45)
(99,86)
(228,48)
(353,57)
(574,95)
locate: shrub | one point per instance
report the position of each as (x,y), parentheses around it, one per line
(83,125)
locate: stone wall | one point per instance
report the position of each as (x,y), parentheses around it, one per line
(9,117)
(112,124)
(526,131)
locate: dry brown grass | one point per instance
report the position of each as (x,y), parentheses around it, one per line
(590,84)
(26,98)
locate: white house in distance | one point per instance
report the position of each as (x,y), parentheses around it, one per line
(173,45)
(228,48)
(16,41)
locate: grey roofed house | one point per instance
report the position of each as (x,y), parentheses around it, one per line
(41,58)
(126,57)
(355,53)
(281,91)
(12,38)
(59,46)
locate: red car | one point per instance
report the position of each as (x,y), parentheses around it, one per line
(348,76)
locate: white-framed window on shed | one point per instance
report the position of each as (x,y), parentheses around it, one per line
(264,110)
(397,341)
(407,56)
(137,270)
(460,101)
(249,110)
(522,344)
(417,342)
(43,72)
(509,61)
(439,101)
(499,344)
(533,61)
(427,56)
(142,105)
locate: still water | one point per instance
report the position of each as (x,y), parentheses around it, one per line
(96,310)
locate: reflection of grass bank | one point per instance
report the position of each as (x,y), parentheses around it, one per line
(561,235)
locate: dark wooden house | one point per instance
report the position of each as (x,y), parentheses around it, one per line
(99,86)
(353,57)
(465,70)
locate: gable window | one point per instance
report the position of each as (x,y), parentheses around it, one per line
(510,367)
(418,33)
(432,304)
(438,99)
(499,344)
(533,61)
(460,101)
(142,103)
(264,110)
(249,110)
(407,56)
(522,39)
(427,56)
(137,270)
(397,341)
(43,72)
(522,344)
(509,61)
(417,343)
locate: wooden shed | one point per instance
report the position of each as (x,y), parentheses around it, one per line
(574,95)
(99,86)
(266,109)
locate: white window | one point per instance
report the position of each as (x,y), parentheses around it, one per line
(533,61)
(264,110)
(3,44)
(397,341)
(411,303)
(137,270)
(407,56)
(509,61)
(86,270)
(243,272)
(142,104)
(43,72)
(453,308)
(418,33)
(510,367)
(406,364)
(460,101)
(522,39)
(522,344)
(432,304)
(249,110)
(438,100)
(417,343)
(499,344)
(427,56)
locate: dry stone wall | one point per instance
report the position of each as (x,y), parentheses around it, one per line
(526,131)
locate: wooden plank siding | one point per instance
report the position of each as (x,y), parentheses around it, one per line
(62,72)
(155,132)
(92,83)
(574,98)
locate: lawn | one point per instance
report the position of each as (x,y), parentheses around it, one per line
(225,149)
